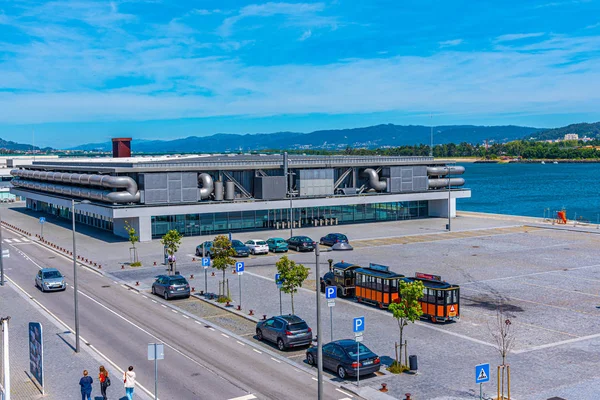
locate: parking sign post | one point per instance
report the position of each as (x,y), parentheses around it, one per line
(239,268)
(359,328)
(330,295)
(205,269)
(279,283)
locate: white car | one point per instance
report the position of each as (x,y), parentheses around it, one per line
(257,246)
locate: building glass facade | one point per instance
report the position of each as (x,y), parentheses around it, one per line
(239,221)
(82,217)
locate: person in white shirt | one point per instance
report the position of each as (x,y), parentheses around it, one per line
(129,380)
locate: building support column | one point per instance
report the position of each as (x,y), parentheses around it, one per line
(439,208)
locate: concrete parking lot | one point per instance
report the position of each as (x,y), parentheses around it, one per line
(547,279)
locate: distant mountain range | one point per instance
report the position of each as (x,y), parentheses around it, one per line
(14,146)
(589,130)
(387,135)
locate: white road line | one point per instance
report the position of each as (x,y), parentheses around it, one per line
(125,287)
(314,379)
(345,394)
(162,305)
(7,241)
(276,360)
(212,329)
(259,352)
(345,398)
(185,316)
(246,397)
(144,297)
(222,334)
(198,322)
(116,283)
(549,345)
(174,311)
(154,301)
(16,240)
(240,343)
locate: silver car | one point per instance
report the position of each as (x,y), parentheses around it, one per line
(50,279)
(285,330)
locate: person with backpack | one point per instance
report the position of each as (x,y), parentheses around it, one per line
(129,380)
(86,386)
(104,381)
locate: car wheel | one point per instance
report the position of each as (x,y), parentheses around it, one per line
(285,251)
(321,241)
(252,252)
(197,253)
(310,359)
(42,288)
(259,334)
(280,344)
(153,290)
(166,295)
(341,371)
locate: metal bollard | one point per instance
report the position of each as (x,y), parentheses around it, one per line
(407,396)
(137,283)
(251,312)
(384,388)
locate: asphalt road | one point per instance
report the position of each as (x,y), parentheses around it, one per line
(200,361)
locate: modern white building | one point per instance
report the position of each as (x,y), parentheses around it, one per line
(211,194)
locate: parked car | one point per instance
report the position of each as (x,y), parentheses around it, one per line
(277,244)
(241,250)
(332,238)
(208,246)
(50,279)
(341,356)
(301,243)
(257,246)
(170,286)
(286,331)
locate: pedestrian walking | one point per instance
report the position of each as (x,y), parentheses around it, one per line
(86,386)
(104,381)
(129,380)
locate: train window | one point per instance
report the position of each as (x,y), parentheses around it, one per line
(441,296)
(394,285)
(338,272)
(378,284)
(425,295)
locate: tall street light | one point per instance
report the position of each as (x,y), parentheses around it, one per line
(73,203)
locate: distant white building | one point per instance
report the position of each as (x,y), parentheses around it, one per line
(571,136)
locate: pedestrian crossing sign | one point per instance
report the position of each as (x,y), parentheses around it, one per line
(482,373)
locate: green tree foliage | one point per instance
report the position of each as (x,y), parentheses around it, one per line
(407,309)
(292,275)
(222,253)
(171,240)
(133,239)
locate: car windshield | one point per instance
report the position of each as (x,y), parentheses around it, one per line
(306,240)
(351,350)
(237,243)
(342,237)
(261,242)
(178,281)
(298,326)
(52,274)
(279,240)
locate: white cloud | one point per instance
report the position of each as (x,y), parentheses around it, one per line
(305,35)
(518,36)
(300,11)
(593,26)
(450,43)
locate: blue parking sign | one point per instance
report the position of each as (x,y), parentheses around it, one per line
(239,267)
(42,220)
(205,262)
(359,324)
(482,373)
(331,292)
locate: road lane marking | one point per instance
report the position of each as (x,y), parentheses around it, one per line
(222,334)
(314,379)
(276,360)
(246,397)
(7,241)
(240,343)
(154,301)
(16,240)
(345,394)
(123,286)
(162,305)
(174,311)
(144,297)
(185,316)
(258,351)
(212,329)
(198,322)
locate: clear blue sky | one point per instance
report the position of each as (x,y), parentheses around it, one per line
(82,71)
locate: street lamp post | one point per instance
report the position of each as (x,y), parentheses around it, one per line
(75,297)
(319,338)
(291,194)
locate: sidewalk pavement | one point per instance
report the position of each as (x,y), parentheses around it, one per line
(62,366)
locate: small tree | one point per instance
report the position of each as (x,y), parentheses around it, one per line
(503,332)
(407,309)
(222,252)
(292,276)
(171,240)
(133,238)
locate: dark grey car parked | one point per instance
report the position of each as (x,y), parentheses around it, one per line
(285,330)
(301,243)
(341,356)
(171,286)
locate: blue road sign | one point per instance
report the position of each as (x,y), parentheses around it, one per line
(206,262)
(278,281)
(359,324)
(239,266)
(331,292)
(482,373)
(42,220)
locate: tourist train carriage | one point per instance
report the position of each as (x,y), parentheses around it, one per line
(377,285)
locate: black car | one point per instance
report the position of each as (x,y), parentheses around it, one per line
(285,330)
(333,238)
(170,286)
(301,243)
(341,356)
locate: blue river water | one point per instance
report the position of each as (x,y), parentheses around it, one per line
(530,189)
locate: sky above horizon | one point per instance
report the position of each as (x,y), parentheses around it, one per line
(83,71)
